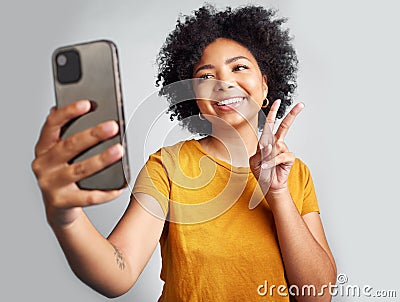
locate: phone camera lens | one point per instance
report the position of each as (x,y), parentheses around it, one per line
(61,60)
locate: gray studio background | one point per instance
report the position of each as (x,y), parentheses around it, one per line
(347,134)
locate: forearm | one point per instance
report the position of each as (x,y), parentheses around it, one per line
(305,260)
(94,260)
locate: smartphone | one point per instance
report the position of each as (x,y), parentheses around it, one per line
(90,71)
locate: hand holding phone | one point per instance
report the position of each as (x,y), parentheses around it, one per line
(57,179)
(79,155)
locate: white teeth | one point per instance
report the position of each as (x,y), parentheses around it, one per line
(230,101)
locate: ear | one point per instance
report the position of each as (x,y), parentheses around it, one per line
(265,86)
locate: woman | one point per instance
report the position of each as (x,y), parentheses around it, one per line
(235,60)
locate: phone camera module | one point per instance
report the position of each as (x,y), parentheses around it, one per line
(68,67)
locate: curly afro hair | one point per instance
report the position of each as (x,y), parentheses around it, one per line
(254,27)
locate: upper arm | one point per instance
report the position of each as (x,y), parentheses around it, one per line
(138,232)
(314,224)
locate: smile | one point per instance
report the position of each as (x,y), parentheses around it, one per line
(230,101)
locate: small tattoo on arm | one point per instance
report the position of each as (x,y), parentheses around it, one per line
(119,257)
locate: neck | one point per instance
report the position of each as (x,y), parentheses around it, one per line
(233,145)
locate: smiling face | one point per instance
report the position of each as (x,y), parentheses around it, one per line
(230,87)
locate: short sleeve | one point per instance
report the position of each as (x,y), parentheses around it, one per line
(153,180)
(310,202)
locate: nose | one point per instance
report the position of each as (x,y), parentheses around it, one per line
(223,85)
(224,80)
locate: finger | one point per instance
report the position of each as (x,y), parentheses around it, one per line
(279,147)
(288,121)
(262,152)
(269,124)
(69,174)
(271,117)
(267,152)
(94,197)
(75,144)
(80,170)
(50,133)
(286,158)
(84,198)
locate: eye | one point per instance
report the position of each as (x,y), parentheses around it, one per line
(206,76)
(240,67)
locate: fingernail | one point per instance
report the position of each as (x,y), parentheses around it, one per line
(83,105)
(109,127)
(264,166)
(302,105)
(116,149)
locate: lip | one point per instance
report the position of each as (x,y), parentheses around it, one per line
(229,107)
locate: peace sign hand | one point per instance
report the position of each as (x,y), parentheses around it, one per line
(272,162)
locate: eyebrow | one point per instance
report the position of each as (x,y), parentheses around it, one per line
(227,61)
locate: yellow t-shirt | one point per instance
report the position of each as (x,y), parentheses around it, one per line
(213,247)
